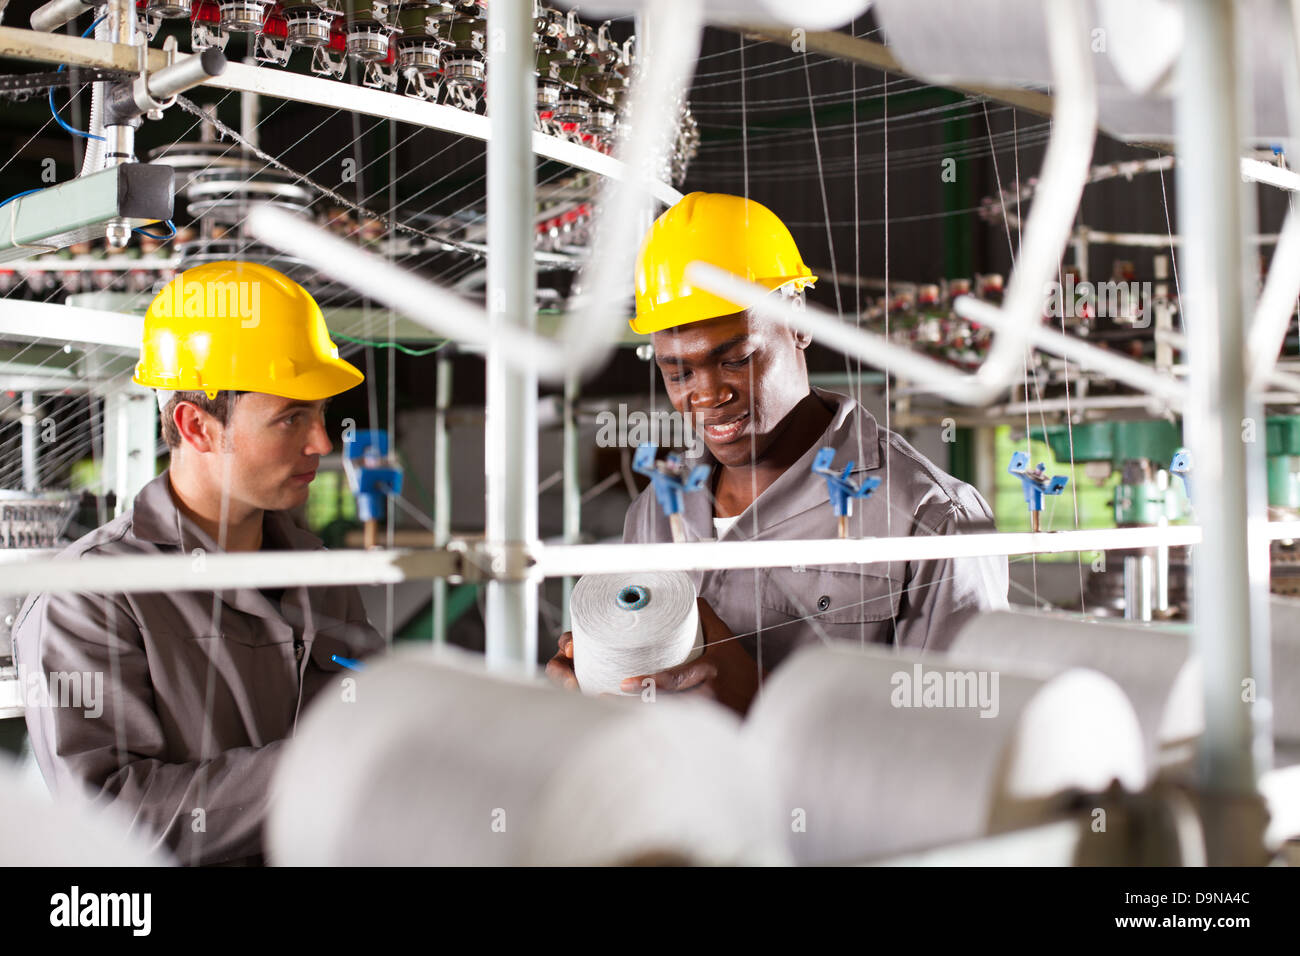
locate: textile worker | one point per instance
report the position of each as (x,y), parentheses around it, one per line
(200,688)
(744,383)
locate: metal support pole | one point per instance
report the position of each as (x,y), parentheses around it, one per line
(511,440)
(1138,586)
(119,145)
(250,108)
(1230,630)
(441,491)
(572,488)
(130,440)
(30,472)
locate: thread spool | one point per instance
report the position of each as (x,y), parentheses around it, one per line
(874,778)
(438,763)
(1152,665)
(36,830)
(1284,624)
(1004,43)
(625,625)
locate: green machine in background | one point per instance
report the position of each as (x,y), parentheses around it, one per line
(1282,438)
(1154,579)
(1146,583)
(1140,451)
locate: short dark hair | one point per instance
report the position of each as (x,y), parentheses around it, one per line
(219,408)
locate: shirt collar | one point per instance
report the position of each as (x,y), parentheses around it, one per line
(155,518)
(853,433)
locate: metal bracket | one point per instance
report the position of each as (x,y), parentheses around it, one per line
(380,77)
(270,50)
(423,89)
(323,64)
(480,561)
(203,36)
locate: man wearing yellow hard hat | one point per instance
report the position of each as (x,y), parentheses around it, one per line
(200,689)
(744,382)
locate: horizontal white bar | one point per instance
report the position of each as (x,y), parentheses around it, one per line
(262,569)
(707,555)
(1152,240)
(1257,171)
(52,322)
(223,571)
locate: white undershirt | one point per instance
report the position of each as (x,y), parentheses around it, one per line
(722,525)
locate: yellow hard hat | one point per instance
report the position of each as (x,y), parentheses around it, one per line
(731,232)
(241,326)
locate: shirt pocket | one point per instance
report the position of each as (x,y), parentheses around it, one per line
(328,642)
(831,595)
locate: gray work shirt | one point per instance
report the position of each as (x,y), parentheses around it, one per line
(918,605)
(199,691)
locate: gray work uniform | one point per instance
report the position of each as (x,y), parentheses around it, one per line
(917,605)
(199,693)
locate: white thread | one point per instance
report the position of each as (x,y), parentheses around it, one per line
(627,625)
(881,764)
(418,762)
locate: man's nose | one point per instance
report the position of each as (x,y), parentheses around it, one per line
(710,390)
(318,441)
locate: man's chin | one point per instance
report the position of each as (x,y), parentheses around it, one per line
(292,494)
(736,454)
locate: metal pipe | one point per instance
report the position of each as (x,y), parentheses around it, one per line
(250,106)
(572,488)
(30,473)
(119,138)
(1258,171)
(434,307)
(1277,302)
(1048,230)
(50,16)
(191,72)
(1159,240)
(921,370)
(511,412)
(1211,211)
(441,490)
(218,572)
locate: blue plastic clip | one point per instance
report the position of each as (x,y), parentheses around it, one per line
(841,490)
(372,474)
(1036,483)
(670,487)
(1182,467)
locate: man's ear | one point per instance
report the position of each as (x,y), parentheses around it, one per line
(197,428)
(802,339)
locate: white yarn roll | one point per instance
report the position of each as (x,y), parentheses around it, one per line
(868,779)
(1152,665)
(1004,42)
(626,625)
(438,762)
(1284,623)
(37,830)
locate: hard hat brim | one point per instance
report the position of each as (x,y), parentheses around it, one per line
(700,306)
(331,377)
